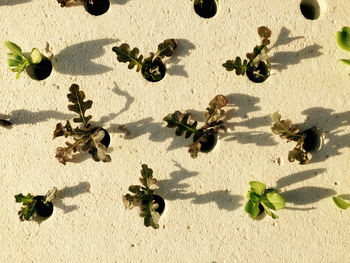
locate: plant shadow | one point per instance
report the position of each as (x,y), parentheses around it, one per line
(19,117)
(119,2)
(175,189)
(183,49)
(284,38)
(70,192)
(299,177)
(333,125)
(13,2)
(307,195)
(78,58)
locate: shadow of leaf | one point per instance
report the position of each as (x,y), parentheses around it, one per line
(77,59)
(19,117)
(119,2)
(299,177)
(307,195)
(13,2)
(284,38)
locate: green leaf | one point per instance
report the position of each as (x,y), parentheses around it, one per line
(20,198)
(268,211)
(257,187)
(236,65)
(14,48)
(252,208)
(273,200)
(35,56)
(79,106)
(342,38)
(28,208)
(340,203)
(147,177)
(166,49)
(284,128)
(151,217)
(346,61)
(182,123)
(124,54)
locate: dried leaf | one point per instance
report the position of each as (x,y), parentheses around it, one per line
(124,54)
(166,49)
(284,128)
(215,112)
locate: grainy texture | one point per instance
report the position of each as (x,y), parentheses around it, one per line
(204,219)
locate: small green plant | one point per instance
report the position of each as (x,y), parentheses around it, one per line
(339,202)
(39,204)
(256,67)
(205,138)
(37,66)
(151,205)
(152,68)
(342,38)
(309,140)
(262,200)
(93,140)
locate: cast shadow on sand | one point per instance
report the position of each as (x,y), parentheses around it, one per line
(175,189)
(13,2)
(280,60)
(78,59)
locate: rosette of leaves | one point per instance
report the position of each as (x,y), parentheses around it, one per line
(263,200)
(86,138)
(144,197)
(152,67)
(204,138)
(37,66)
(342,38)
(341,203)
(286,130)
(33,205)
(256,66)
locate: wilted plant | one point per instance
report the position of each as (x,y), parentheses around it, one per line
(152,68)
(262,200)
(93,7)
(93,140)
(151,205)
(37,66)
(342,38)
(205,138)
(256,67)
(39,204)
(308,141)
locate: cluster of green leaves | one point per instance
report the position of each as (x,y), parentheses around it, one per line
(267,198)
(182,123)
(17,62)
(340,202)
(286,130)
(29,209)
(142,196)
(126,55)
(259,54)
(343,40)
(86,139)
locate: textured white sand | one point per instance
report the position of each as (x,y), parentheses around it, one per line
(204,219)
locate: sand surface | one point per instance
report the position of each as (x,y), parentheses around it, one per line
(204,219)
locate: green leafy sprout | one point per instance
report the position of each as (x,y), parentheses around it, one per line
(142,196)
(342,38)
(150,68)
(86,138)
(341,203)
(183,124)
(256,65)
(286,130)
(17,62)
(259,197)
(29,203)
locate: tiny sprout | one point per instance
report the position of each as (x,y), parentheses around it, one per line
(151,205)
(93,7)
(205,138)
(339,202)
(95,140)
(37,66)
(310,140)
(36,205)
(152,68)
(342,38)
(256,67)
(262,200)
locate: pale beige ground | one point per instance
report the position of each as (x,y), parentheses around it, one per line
(204,220)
